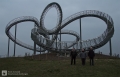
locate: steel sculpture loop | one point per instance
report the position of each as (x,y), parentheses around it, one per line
(40,35)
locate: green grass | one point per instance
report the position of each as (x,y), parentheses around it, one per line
(61,68)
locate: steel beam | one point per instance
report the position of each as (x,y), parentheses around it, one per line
(80,34)
(110,44)
(8,46)
(15,40)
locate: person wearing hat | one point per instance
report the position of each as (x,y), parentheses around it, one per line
(83,56)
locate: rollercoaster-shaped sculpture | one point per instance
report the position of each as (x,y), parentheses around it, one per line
(41,36)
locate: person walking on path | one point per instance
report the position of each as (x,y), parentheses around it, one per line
(83,56)
(91,55)
(73,55)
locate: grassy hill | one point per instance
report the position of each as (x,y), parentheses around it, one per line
(61,67)
(53,56)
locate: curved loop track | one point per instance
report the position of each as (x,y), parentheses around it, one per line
(40,35)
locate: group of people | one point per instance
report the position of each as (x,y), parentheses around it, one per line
(83,56)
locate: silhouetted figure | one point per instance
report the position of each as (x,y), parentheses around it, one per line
(83,56)
(73,55)
(91,55)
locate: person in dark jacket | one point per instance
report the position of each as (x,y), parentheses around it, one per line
(83,56)
(91,55)
(73,55)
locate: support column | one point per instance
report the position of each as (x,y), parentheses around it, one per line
(80,34)
(110,47)
(15,40)
(34,42)
(110,43)
(60,42)
(40,50)
(34,48)
(56,42)
(8,46)
(40,54)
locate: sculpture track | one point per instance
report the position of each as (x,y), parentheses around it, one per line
(40,35)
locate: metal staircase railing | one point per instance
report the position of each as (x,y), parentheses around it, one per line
(40,35)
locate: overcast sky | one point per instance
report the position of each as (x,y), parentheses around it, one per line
(91,26)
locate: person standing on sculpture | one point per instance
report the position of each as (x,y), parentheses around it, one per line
(91,55)
(83,56)
(73,55)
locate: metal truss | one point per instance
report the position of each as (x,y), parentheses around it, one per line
(40,35)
